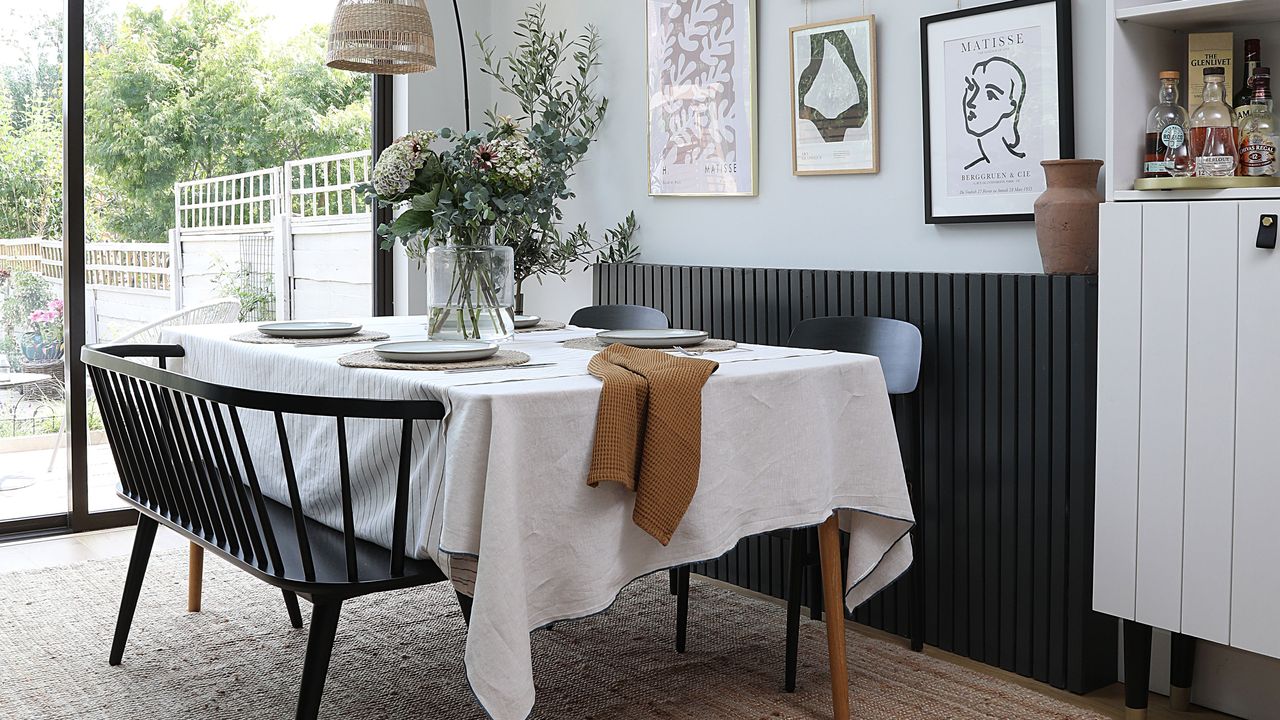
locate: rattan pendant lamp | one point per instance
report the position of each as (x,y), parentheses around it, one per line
(389,37)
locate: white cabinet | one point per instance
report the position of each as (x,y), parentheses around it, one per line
(1255,577)
(1188,476)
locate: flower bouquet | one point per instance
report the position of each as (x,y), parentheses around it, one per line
(460,202)
(462,194)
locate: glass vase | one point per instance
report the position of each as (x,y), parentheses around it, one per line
(471,289)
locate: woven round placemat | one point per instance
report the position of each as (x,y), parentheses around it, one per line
(257,338)
(370,359)
(544,326)
(591,343)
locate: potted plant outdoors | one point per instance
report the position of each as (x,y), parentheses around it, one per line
(44,343)
(21,293)
(551,78)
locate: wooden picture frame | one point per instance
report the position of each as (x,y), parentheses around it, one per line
(997,87)
(702,119)
(838,132)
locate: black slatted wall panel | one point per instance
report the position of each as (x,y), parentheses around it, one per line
(1007,437)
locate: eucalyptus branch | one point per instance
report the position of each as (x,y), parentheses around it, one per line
(552,78)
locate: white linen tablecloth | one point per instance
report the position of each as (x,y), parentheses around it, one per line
(499,487)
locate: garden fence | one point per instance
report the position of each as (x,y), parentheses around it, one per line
(305,221)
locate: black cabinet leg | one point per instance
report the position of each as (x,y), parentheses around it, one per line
(1137,669)
(682,606)
(143,539)
(1182,665)
(295,613)
(324,626)
(795,585)
(464,604)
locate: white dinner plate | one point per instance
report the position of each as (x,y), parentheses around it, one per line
(527,321)
(653,338)
(435,351)
(309,329)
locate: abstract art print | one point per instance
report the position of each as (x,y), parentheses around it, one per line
(997,101)
(834,98)
(702,97)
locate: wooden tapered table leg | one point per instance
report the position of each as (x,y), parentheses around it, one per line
(833,599)
(195,577)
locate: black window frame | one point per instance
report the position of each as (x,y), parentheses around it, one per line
(78,517)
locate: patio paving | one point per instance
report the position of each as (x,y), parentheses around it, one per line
(49,493)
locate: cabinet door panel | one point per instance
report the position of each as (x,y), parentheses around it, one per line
(1211,408)
(1255,573)
(1119,350)
(1162,421)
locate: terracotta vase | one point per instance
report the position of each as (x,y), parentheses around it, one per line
(1067,217)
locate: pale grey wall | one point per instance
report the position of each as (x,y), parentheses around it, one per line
(871,222)
(868,222)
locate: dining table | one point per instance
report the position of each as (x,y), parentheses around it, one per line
(499,498)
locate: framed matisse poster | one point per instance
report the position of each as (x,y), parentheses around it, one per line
(834,98)
(702,97)
(997,101)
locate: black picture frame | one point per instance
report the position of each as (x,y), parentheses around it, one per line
(1066,101)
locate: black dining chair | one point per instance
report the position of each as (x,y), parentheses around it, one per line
(620,317)
(898,346)
(185,462)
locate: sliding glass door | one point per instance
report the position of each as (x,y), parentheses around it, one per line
(218,159)
(33,478)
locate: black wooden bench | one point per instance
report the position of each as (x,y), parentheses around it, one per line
(185,463)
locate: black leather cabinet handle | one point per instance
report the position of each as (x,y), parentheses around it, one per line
(1267,232)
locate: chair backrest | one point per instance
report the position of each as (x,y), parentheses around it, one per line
(896,343)
(222,310)
(182,454)
(620,317)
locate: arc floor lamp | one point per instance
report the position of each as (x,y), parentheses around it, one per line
(386,38)
(390,37)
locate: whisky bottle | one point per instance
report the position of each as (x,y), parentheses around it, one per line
(1258,133)
(1244,98)
(1213,135)
(1168,152)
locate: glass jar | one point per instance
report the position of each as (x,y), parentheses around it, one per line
(471,289)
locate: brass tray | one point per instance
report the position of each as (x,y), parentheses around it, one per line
(1204,183)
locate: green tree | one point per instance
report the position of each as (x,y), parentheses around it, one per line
(30,171)
(37,40)
(200,94)
(312,110)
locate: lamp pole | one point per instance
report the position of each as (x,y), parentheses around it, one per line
(383,136)
(462,50)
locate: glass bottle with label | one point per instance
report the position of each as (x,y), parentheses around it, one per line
(1244,98)
(1213,134)
(1258,133)
(1168,152)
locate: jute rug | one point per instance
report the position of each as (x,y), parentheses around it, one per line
(399,655)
